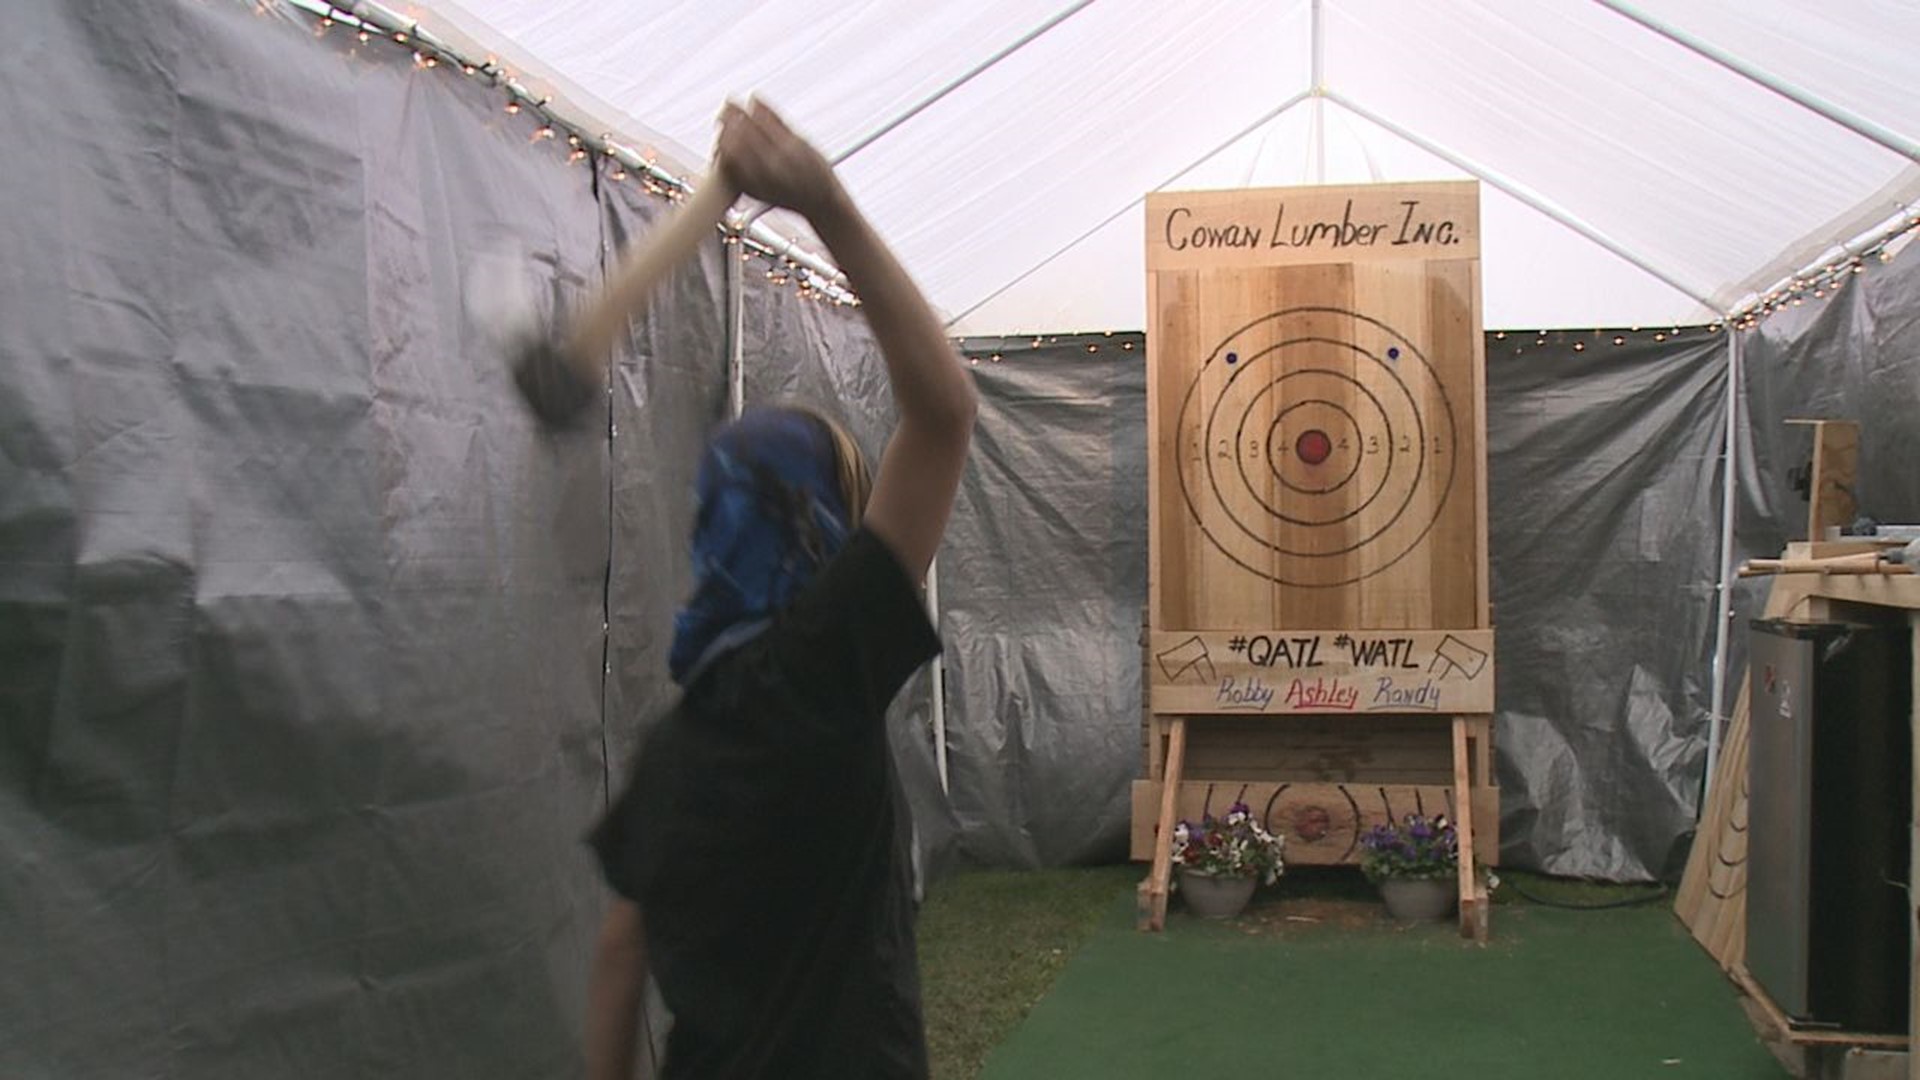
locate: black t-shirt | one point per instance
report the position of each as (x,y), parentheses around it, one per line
(765,837)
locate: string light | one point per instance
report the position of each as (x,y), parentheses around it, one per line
(810,283)
(1579,346)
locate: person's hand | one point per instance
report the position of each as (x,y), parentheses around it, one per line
(762,157)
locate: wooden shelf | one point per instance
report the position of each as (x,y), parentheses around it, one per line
(1784,1029)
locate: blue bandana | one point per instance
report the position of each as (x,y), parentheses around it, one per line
(771,514)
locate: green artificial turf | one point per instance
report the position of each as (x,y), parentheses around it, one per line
(992,943)
(1044,975)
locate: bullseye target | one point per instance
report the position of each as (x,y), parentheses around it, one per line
(1317,446)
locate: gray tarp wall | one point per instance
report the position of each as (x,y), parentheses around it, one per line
(1854,355)
(1604,510)
(1602,476)
(317,657)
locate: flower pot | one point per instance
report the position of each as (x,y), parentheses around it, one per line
(1419,899)
(1216,897)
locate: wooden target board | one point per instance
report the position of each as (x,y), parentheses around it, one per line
(1318,479)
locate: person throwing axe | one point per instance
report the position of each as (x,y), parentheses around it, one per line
(761,848)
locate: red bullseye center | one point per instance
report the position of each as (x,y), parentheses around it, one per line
(1313,446)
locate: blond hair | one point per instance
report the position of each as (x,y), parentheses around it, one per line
(850,463)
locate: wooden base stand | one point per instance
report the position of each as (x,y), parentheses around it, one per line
(1322,821)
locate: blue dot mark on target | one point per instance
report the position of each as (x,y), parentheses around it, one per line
(1393,353)
(1233,358)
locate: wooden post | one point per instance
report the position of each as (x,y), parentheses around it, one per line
(1473,913)
(1153,908)
(1836,461)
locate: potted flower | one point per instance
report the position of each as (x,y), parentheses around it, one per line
(1415,864)
(1222,860)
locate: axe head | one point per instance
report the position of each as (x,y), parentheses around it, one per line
(551,386)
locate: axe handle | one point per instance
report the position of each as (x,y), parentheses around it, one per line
(626,294)
(1864,563)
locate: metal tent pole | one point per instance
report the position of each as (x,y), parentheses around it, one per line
(1724,608)
(1853,122)
(939,681)
(1522,193)
(930,100)
(1264,119)
(736,332)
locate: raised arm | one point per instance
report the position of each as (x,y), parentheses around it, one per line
(616,992)
(920,471)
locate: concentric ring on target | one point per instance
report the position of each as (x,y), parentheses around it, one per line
(1313,446)
(1360,448)
(1346,513)
(1383,420)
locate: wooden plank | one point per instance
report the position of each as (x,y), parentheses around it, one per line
(1158,884)
(1317,427)
(1481,544)
(1472,918)
(1321,671)
(1391,750)
(1193,230)
(1902,591)
(1783,1028)
(1322,823)
(1835,464)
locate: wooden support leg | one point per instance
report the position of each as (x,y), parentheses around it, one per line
(1154,890)
(1473,902)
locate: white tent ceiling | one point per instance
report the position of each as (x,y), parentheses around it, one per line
(1680,186)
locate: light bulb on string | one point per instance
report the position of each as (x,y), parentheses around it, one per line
(1579,346)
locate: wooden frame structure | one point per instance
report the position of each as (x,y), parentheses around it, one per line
(1712,897)
(1317,507)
